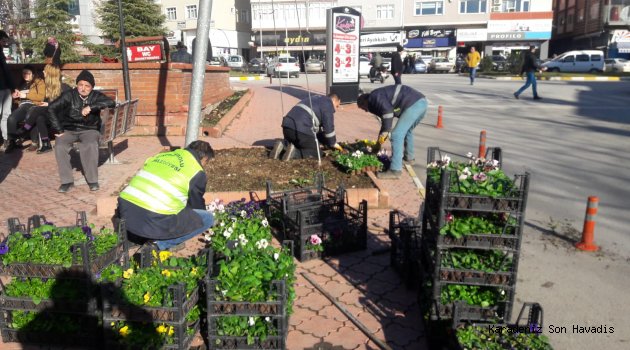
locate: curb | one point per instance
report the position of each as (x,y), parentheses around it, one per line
(559,78)
(416,180)
(217,130)
(258,77)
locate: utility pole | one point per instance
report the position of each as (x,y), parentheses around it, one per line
(123,47)
(199,71)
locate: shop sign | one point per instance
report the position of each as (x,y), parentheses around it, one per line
(527,28)
(144,53)
(428,43)
(381,39)
(472,34)
(430,33)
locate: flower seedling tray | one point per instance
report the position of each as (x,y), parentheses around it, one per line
(84,260)
(477,278)
(80,306)
(88,334)
(275,310)
(181,338)
(405,245)
(500,312)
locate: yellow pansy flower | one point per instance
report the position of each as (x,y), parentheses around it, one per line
(193,271)
(147,297)
(162,329)
(166,273)
(124,331)
(154,253)
(127,274)
(171,330)
(165,254)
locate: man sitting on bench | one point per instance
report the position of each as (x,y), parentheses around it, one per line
(80,113)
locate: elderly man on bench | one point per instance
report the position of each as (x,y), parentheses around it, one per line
(76,117)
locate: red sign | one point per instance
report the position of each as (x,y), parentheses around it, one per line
(144,53)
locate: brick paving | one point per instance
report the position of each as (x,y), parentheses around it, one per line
(363,282)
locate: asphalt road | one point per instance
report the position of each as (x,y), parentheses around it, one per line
(575,143)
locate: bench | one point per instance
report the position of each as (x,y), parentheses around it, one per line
(115,122)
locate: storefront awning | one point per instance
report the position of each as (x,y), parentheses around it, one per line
(291,48)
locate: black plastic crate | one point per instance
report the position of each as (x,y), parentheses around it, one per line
(436,153)
(84,258)
(342,229)
(82,306)
(276,310)
(182,338)
(405,235)
(117,308)
(86,336)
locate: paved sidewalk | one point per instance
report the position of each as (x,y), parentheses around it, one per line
(363,282)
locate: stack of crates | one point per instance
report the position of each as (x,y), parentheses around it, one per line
(71,317)
(404,234)
(443,255)
(299,214)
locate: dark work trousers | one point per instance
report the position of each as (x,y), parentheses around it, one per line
(18,116)
(304,143)
(88,151)
(37,118)
(397,79)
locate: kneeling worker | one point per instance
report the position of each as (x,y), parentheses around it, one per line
(309,121)
(164,200)
(409,106)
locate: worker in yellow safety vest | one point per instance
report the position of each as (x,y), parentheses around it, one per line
(164,200)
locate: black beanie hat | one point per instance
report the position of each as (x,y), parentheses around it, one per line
(86,76)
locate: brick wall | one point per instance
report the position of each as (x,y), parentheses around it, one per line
(163,90)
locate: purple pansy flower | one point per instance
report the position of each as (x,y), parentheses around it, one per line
(4,248)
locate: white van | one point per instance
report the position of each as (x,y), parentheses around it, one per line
(577,61)
(236,62)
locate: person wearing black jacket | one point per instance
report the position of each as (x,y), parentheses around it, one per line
(530,66)
(310,119)
(75,115)
(397,65)
(164,200)
(409,106)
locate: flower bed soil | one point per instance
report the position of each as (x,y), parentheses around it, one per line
(215,115)
(248,169)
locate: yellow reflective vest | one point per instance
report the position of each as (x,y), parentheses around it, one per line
(163,183)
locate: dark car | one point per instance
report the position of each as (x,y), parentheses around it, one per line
(499,63)
(255,65)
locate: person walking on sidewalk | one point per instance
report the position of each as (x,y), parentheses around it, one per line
(76,116)
(397,65)
(164,200)
(409,106)
(530,67)
(472,61)
(307,123)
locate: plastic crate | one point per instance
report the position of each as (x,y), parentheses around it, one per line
(405,246)
(342,229)
(182,339)
(84,258)
(88,335)
(275,310)
(117,308)
(436,153)
(87,306)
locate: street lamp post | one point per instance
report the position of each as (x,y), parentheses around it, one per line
(123,47)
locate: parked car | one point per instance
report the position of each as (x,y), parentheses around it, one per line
(617,65)
(364,67)
(577,61)
(499,63)
(441,64)
(314,65)
(236,62)
(255,65)
(287,66)
(421,67)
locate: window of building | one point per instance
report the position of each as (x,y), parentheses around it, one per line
(580,15)
(515,6)
(191,12)
(594,13)
(472,6)
(243,16)
(385,11)
(171,13)
(570,19)
(424,8)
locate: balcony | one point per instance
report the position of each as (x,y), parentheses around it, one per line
(617,12)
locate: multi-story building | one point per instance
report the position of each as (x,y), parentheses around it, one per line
(230,24)
(592,24)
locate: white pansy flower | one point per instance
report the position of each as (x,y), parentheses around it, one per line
(222,224)
(210,232)
(251,321)
(467,171)
(469,155)
(221,208)
(265,223)
(262,244)
(224,292)
(230,230)
(243,214)
(233,218)
(241,236)
(268,319)
(276,256)
(227,234)
(463,177)
(208,237)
